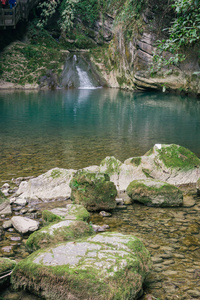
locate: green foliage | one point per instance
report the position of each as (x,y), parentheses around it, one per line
(184,32)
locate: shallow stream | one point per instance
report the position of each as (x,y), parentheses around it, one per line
(78,128)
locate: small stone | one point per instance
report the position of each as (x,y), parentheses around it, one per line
(12,200)
(105,214)
(119,201)
(166,255)
(7,224)
(156,260)
(168,262)
(170,272)
(21,201)
(194,293)
(6,186)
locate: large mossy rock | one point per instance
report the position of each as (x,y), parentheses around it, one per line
(104,267)
(170,163)
(93,190)
(52,185)
(153,192)
(66,230)
(6,267)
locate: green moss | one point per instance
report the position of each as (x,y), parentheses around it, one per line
(55,174)
(93,190)
(112,165)
(154,193)
(49,217)
(136,161)
(175,156)
(80,213)
(45,237)
(57,282)
(6,264)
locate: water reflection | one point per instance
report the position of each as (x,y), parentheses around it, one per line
(77,128)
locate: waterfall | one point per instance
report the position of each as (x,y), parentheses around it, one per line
(84,79)
(78,73)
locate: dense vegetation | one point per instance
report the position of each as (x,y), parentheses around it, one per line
(59,25)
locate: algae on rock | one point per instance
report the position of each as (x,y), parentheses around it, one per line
(156,193)
(93,190)
(104,267)
(66,230)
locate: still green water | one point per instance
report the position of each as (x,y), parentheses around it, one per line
(78,128)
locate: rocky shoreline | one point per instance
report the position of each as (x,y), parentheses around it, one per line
(170,234)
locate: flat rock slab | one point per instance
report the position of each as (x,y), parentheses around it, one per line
(24,225)
(51,185)
(102,267)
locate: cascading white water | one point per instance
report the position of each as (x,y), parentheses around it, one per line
(85,82)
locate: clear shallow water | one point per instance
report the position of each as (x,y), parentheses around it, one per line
(78,128)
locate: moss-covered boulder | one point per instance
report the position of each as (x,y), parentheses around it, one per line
(93,190)
(103,267)
(153,192)
(171,163)
(6,267)
(72,212)
(66,230)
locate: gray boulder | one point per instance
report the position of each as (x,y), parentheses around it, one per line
(153,192)
(51,185)
(24,225)
(102,267)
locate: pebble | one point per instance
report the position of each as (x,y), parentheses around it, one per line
(105,214)
(194,293)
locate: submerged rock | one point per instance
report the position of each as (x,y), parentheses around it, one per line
(24,225)
(153,192)
(51,185)
(170,163)
(66,230)
(106,266)
(198,186)
(93,190)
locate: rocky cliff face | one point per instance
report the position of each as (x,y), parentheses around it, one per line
(126,61)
